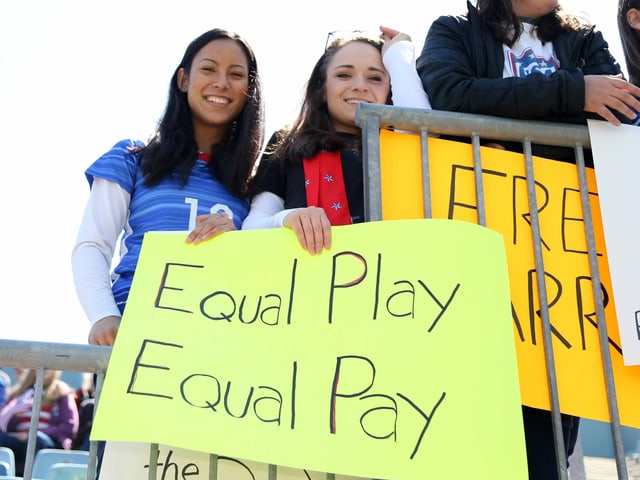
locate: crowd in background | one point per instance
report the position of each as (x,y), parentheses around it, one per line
(65,416)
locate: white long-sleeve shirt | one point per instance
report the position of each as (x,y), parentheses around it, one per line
(95,247)
(406,86)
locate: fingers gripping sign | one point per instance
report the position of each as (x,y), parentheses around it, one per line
(312,228)
(208,226)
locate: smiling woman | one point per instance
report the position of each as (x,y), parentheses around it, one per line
(312,176)
(192,174)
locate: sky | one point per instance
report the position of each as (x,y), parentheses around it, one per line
(78,76)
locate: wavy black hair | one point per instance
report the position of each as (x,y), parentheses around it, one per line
(630,40)
(499,17)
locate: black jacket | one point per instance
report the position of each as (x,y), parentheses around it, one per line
(461,67)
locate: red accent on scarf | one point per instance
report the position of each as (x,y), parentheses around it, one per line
(325,186)
(205,157)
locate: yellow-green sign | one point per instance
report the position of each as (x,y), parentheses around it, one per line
(381,358)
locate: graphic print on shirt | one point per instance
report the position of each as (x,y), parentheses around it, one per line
(193,210)
(528,63)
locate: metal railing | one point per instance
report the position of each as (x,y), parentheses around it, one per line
(372,118)
(54,356)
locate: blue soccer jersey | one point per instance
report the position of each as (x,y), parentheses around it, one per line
(166,206)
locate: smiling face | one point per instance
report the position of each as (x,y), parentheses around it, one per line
(355,74)
(216,88)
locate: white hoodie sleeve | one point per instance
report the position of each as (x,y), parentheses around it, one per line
(267,211)
(104,218)
(406,86)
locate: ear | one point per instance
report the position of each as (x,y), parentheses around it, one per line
(183,80)
(633,18)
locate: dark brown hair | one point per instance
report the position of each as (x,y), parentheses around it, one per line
(53,387)
(630,39)
(499,17)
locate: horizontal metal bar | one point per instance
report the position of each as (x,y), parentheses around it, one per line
(465,124)
(54,356)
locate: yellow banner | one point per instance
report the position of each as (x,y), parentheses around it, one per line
(379,358)
(570,291)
